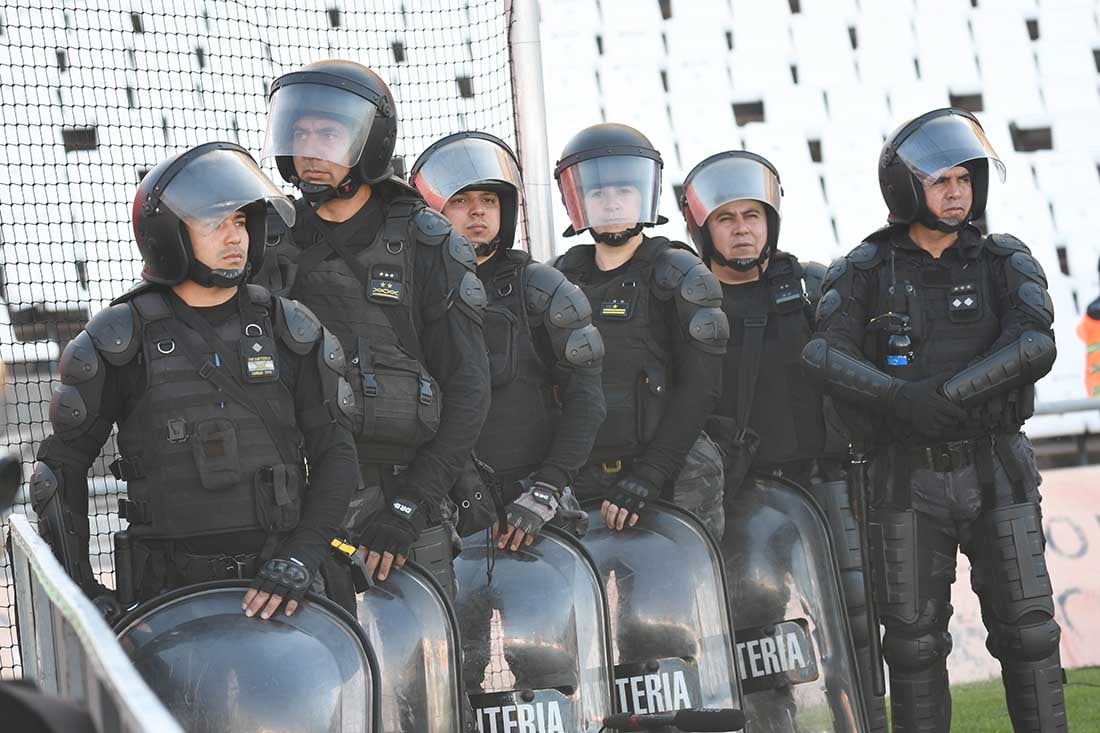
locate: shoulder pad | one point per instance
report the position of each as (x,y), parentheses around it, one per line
(430,226)
(79,360)
(569,308)
(710,328)
(259,295)
(577,257)
(113,332)
(332,353)
(68,411)
(813,277)
(141,286)
(472,292)
(1036,300)
(866,255)
(584,347)
(461,251)
(700,287)
(300,328)
(1028,267)
(671,265)
(828,305)
(539,283)
(1005,244)
(836,270)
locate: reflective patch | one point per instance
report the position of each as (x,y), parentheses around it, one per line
(657,687)
(776,655)
(617,308)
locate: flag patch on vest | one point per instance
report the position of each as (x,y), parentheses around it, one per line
(616,308)
(260,366)
(385,283)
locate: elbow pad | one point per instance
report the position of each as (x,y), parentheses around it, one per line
(1021,363)
(847,377)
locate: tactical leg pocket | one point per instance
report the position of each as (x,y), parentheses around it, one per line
(214,447)
(278,497)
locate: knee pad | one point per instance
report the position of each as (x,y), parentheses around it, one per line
(1035,638)
(917,646)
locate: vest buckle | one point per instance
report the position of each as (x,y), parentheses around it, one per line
(612,467)
(426,395)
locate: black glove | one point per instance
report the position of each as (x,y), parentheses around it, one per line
(633,494)
(395,530)
(286,577)
(105,602)
(922,405)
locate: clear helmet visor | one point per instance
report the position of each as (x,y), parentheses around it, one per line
(464,163)
(730,179)
(212,186)
(309,120)
(616,189)
(944,142)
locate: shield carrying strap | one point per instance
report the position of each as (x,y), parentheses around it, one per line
(393,231)
(229,381)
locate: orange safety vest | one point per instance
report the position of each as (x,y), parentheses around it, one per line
(1088,330)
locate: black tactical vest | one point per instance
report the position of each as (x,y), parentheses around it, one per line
(397,401)
(524,409)
(954,307)
(786,409)
(639,339)
(196,461)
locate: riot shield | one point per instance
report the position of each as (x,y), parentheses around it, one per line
(412,628)
(672,639)
(794,647)
(536,649)
(218,671)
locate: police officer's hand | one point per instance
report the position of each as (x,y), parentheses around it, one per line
(279,580)
(538,503)
(924,406)
(390,535)
(105,602)
(629,497)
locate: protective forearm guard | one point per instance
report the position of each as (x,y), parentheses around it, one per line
(1016,365)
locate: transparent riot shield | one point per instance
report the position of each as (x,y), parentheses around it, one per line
(218,671)
(672,638)
(536,649)
(794,647)
(412,628)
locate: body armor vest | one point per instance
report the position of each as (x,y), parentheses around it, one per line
(954,309)
(786,409)
(639,340)
(195,460)
(397,402)
(524,410)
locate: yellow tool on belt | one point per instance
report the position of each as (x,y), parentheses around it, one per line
(356,560)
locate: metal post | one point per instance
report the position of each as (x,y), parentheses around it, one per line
(525,50)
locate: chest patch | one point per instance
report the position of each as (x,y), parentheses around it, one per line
(385,284)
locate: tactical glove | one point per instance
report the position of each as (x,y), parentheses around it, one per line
(633,494)
(285,577)
(395,531)
(923,406)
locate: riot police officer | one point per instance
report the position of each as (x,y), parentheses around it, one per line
(544,352)
(770,419)
(934,336)
(398,287)
(658,309)
(219,392)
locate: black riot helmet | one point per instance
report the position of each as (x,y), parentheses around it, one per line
(363,140)
(474,161)
(603,156)
(201,187)
(732,175)
(920,151)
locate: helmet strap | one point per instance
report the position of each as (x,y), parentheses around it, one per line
(218,278)
(318,193)
(617,239)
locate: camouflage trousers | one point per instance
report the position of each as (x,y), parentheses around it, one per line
(698,488)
